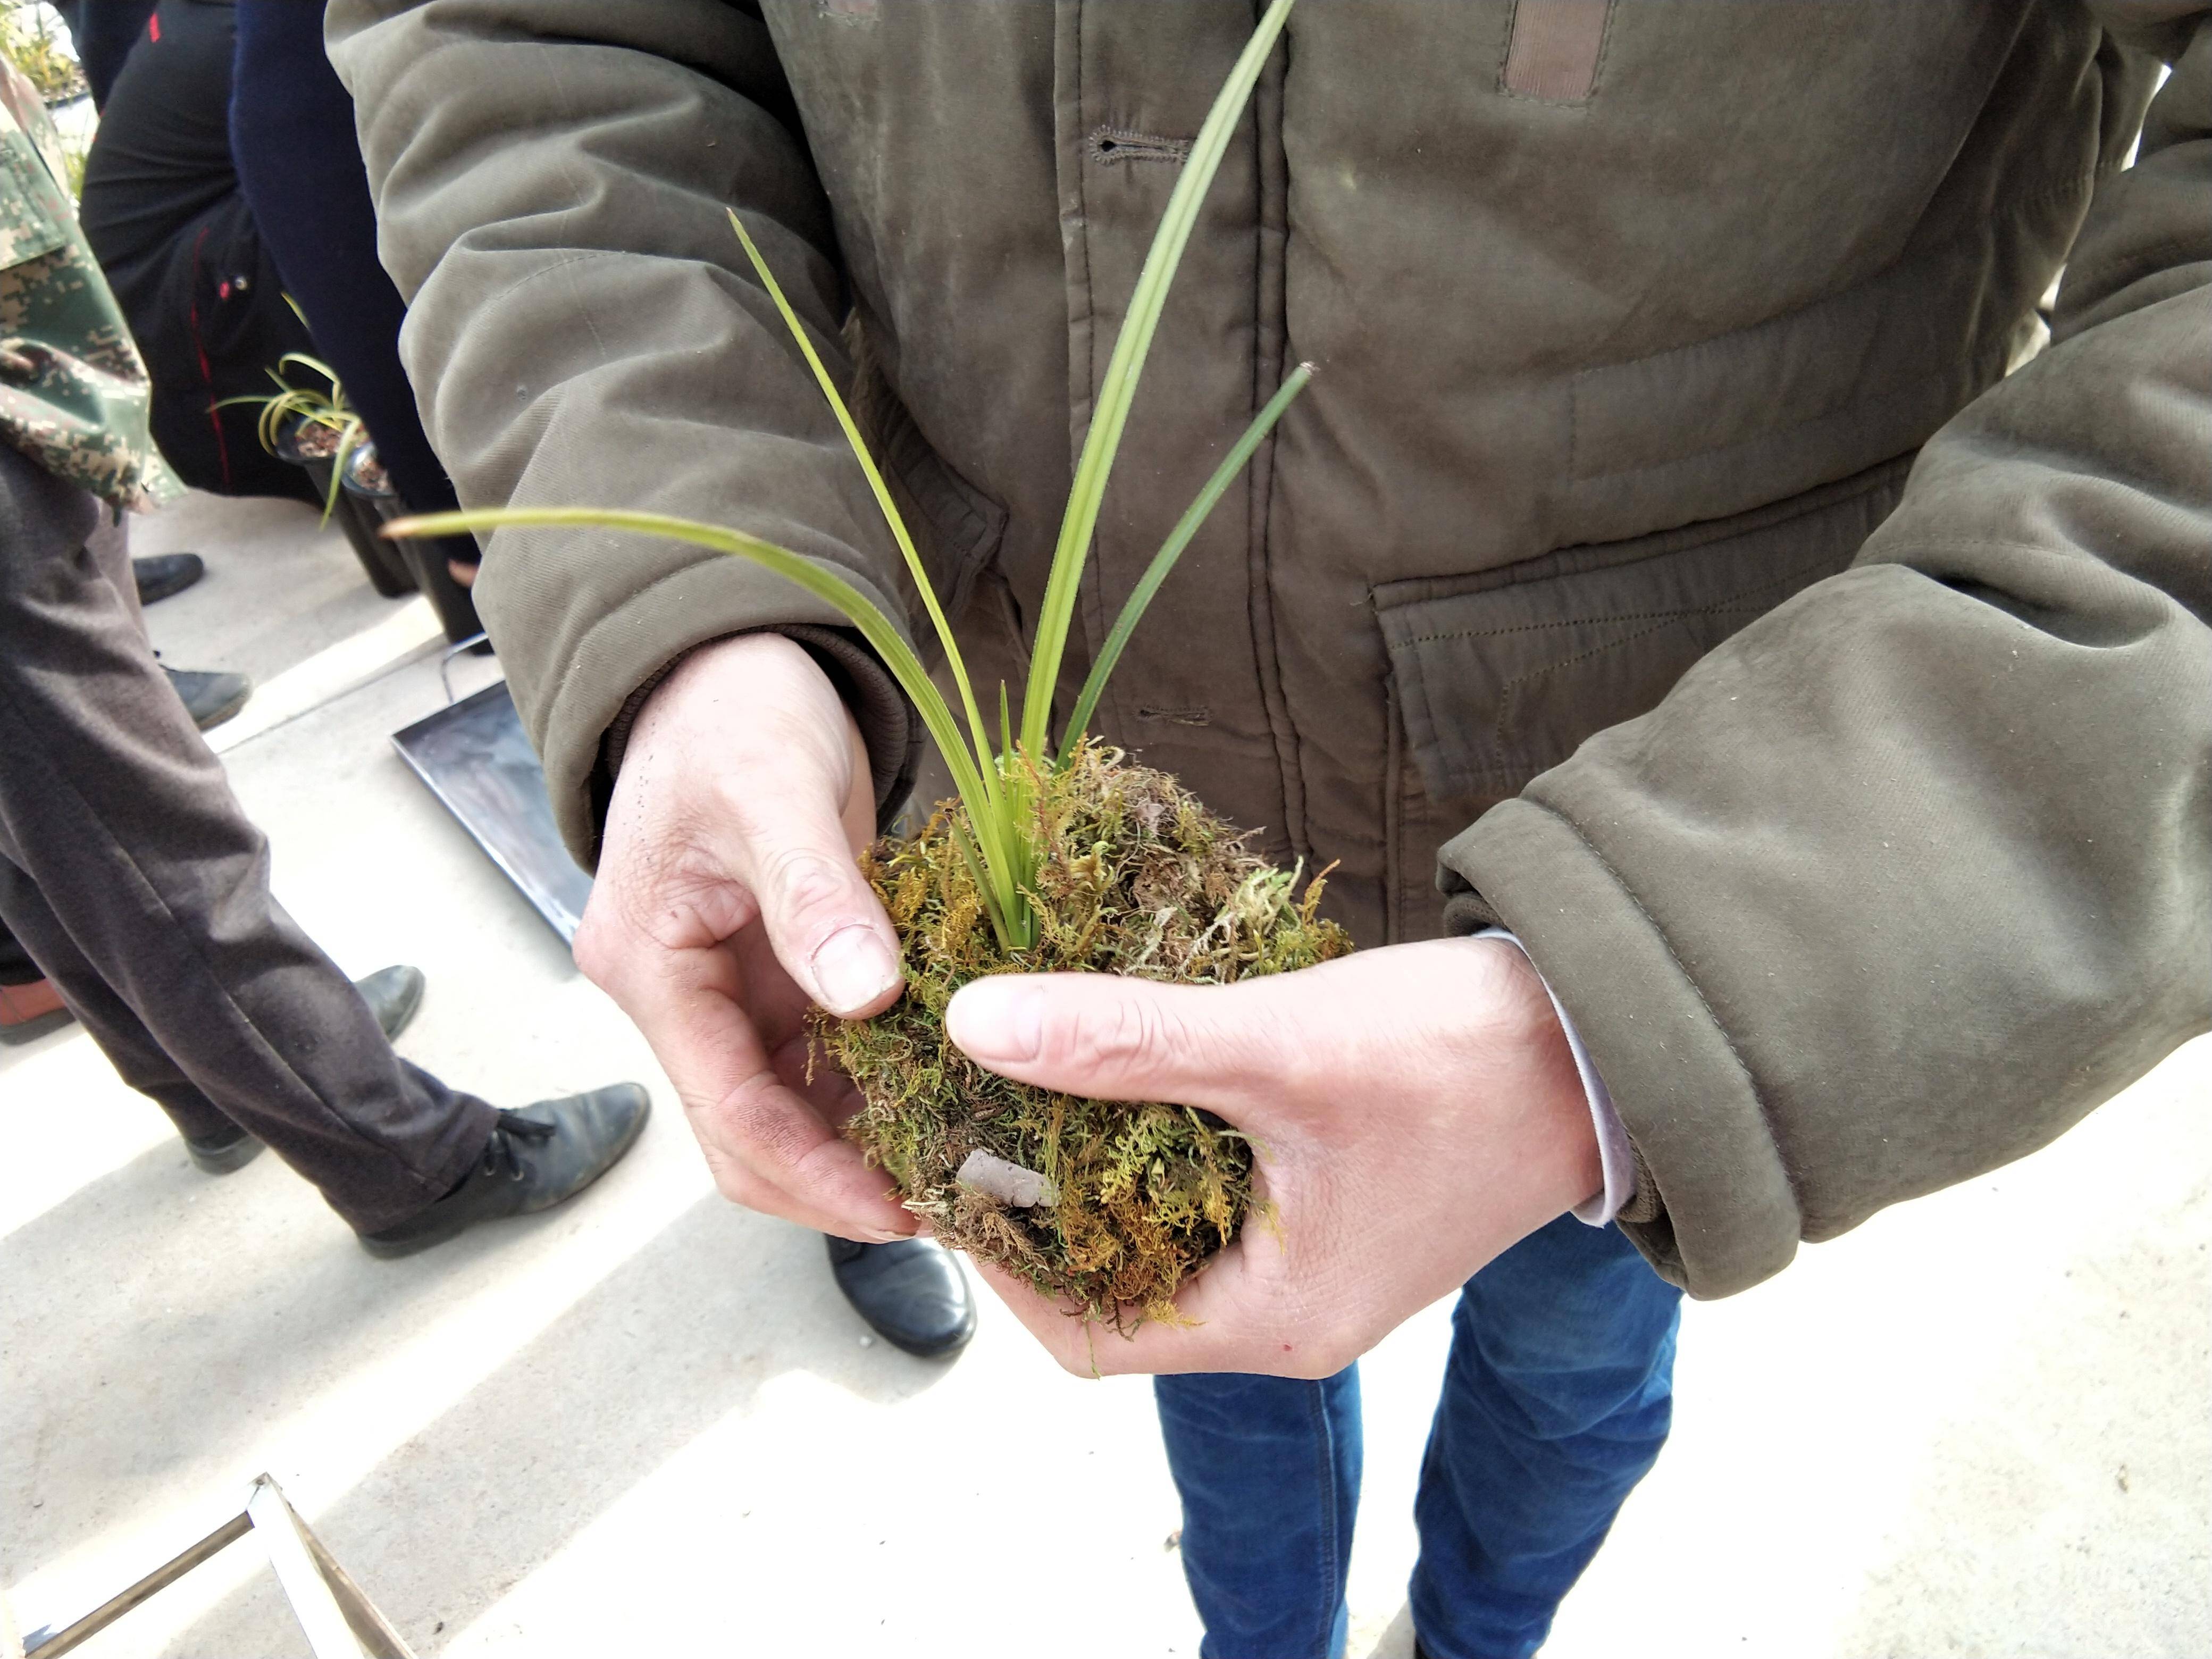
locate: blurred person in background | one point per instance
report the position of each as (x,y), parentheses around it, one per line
(129,875)
(299,163)
(103,33)
(164,213)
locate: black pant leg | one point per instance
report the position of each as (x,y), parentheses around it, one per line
(121,1035)
(298,157)
(16,967)
(112,804)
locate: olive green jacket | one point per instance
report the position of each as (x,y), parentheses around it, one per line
(1663,547)
(73,395)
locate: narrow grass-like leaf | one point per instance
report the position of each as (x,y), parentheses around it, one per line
(316,364)
(351,437)
(883,500)
(1132,610)
(1001,896)
(1119,387)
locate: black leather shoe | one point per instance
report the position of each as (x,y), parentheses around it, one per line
(535,1158)
(225,1153)
(210,699)
(910,1292)
(393,996)
(165,574)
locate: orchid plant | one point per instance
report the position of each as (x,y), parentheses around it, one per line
(304,407)
(997,774)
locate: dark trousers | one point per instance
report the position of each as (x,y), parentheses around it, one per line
(163,213)
(103,32)
(131,876)
(299,160)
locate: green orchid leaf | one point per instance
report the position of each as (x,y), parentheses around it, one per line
(883,494)
(1132,610)
(1119,388)
(815,578)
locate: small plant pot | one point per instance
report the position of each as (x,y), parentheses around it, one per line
(363,487)
(387,574)
(425,558)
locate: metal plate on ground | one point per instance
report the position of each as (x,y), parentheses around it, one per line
(475,759)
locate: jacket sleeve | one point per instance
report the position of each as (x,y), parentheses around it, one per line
(551,179)
(1904,879)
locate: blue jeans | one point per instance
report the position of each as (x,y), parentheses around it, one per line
(1556,1400)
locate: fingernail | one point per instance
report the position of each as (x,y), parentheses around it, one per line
(853,967)
(998,1019)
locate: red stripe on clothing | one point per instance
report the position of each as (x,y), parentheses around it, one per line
(206,369)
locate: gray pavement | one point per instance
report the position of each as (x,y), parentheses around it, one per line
(645,1422)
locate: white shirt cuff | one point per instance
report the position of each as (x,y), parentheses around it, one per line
(1612,1149)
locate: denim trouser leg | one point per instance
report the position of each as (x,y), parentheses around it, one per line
(1268,1469)
(1557,1399)
(1555,1402)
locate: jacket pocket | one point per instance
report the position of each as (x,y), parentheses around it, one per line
(1502,676)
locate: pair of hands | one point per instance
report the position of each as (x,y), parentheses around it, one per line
(1415,1109)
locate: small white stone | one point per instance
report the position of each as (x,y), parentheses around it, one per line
(1008,1182)
(867,1341)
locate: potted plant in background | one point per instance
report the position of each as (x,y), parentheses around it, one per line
(372,494)
(1066,857)
(318,432)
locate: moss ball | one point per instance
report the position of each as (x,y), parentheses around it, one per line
(1135,878)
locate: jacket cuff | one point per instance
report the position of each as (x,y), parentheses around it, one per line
(1714,1210)
(1616,1159)
(889,724)
(630,649)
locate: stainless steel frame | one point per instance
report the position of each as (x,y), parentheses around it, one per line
(339,1621)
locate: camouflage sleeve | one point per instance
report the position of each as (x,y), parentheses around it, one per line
(73,393)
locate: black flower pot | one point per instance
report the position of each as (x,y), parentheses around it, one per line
(386,571)
(366,481)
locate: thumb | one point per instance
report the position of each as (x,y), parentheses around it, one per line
(1221,1047)
(822,917)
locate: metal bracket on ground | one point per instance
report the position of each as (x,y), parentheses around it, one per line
(339,1621)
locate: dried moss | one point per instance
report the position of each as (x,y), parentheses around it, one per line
(1136,878)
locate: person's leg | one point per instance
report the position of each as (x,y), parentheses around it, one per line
(103,32)
(299,162)
(1557,1399)
(162,210)
(121,1035)
(113,807)
(209,696)
(1268,1471)
(16,966)
(108,546)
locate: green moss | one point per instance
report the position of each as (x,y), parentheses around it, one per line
(1136,878)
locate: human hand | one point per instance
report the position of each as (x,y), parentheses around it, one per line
(1414,1111)
(727,900)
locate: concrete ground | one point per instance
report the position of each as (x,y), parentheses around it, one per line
(646,1422)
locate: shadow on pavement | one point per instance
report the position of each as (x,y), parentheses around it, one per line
(674,1339)
(155,1318)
